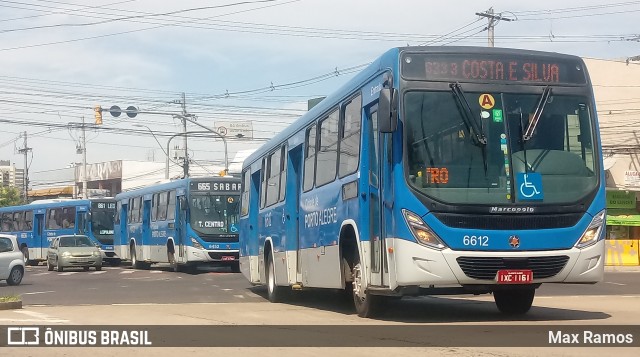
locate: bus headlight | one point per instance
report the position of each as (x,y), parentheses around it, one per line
(423,234)
(592,233)
(196,244)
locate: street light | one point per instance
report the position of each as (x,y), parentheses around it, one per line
(226,152)
(154,136)
(166,170)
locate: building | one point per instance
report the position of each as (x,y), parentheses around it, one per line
(10,175)
(617,92)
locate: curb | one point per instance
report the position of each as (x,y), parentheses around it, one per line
(11,305)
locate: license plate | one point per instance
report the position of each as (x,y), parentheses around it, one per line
(514,277)
(227,258)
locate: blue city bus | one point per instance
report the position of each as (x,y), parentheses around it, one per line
(38,223)
(436,170)
(183,223)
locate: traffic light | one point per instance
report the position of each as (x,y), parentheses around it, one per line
(98,114)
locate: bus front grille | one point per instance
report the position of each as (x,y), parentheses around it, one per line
(508,222)
(486,268)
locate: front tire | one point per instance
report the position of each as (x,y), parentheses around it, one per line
(275,293)
(15,276)
(50,266)
(98,267)
(366,304)
(25,254)
(173,263)
(135,263)
(514,302)
(59,267)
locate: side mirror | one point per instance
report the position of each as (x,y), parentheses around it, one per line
(387,113)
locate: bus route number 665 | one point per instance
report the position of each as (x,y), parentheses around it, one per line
(475,241)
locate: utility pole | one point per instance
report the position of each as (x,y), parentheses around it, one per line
(184,131)
(25,179)
(493,20)
(84,161)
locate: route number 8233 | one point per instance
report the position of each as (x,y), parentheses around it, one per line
(475,241)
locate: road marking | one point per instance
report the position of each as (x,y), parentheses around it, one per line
(38,292)
(39,316)
(239,296)
(156,271)
(611,282)
(40,274)
(69,273)
(97,272)
(227,289)
(588,296)
(127,272)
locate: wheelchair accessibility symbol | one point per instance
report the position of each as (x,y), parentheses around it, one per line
(529,186)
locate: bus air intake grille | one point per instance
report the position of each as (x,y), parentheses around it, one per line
(486,268)
(511,222)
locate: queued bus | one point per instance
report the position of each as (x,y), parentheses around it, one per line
(436,170)
(184,223)
(38,223)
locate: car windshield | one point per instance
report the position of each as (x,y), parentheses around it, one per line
(446,164)
(75,241)
(214,214)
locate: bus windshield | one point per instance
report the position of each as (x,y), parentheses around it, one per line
(214,214)
(447,164)
(102,221)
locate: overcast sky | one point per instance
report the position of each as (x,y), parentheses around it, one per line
(253,61)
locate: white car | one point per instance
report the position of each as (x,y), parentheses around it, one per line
(11,260)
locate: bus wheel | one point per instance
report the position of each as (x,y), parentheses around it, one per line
(514,302)
(173,263)
(25,254)
(275,293)
(365,303)
(135,263)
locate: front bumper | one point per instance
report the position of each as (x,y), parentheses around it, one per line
(412,264)
(212,256)
(80,261)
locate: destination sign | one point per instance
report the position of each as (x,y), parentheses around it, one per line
(489,68)
(215,186)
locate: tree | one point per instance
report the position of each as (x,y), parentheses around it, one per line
(9,196)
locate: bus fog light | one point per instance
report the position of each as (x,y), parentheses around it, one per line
(196,244)
(423,234)
(592,234)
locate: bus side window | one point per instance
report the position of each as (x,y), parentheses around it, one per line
(327,157)
(162,206)
(17,221)
(246,188)
(310,159)
(6,222)
(116,219)
(28,221)
(154,207)
(350,137)
(273,180)
(171,206)
(283,172)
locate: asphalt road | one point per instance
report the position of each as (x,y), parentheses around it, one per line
(124,285)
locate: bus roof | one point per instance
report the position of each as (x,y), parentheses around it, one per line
(388,60)
(47,204)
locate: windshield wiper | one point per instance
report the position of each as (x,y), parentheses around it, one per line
(467,115)
(546,93)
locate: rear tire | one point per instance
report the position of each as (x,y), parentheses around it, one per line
(15,276)
(514,302)
(235,267)
(25,254)
(275,293)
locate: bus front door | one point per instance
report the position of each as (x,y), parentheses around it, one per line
(376,177)
(41,243)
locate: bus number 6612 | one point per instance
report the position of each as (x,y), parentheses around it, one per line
(476,241)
